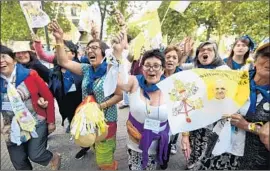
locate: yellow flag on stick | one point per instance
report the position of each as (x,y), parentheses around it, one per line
(74,34)
(165,40)
(150,36)
(136,45)
(179,6)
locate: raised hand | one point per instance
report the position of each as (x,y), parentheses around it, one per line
(35,37)
(94,30)
(56,30)
(120,19)
(188,46)
(118,44)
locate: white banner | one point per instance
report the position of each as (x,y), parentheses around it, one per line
(199,97)
(35,16)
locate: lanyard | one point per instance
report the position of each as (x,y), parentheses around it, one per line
(147,108)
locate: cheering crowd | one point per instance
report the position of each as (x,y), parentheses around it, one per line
(28,90)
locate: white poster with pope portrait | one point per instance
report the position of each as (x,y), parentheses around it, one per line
(199,97)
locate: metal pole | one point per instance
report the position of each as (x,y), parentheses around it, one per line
(46,30)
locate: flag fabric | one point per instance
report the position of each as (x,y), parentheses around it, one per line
(179,6)
(88,16)
(194,95)
(85,19)
(35,16)
(150,36)
(73,35)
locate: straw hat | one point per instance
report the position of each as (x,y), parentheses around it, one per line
(263,44)
(21,46)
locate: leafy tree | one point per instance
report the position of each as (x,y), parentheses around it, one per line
(14,25)
(219,18)
(251,18)
(175,25)
(112,26)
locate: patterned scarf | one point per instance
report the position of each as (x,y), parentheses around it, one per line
(100,72)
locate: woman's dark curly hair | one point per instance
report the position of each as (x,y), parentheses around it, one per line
(156,53)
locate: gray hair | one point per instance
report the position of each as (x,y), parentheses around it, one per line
(217,61)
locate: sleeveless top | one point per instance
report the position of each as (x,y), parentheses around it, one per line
(138,110)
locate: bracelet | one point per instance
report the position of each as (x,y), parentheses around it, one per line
(185,133)
(61,45)
(106,104)
(254,127)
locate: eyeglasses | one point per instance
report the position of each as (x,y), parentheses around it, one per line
(92,48)
(206,49)
(155,67)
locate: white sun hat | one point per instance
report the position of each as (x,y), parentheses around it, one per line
(21,46)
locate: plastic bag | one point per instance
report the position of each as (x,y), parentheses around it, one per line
(88,123)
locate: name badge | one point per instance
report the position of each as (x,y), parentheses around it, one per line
(6,106)
(72,88)
(266,107)
(152,125)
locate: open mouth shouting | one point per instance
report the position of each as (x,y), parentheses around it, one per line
(204,58)
(151,76)
(170,65)
(92,57)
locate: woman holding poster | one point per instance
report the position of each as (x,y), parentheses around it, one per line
(193,144)
(249,119)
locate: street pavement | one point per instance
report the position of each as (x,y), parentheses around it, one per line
(59,141)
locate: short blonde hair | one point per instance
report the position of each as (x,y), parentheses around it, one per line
(173,48)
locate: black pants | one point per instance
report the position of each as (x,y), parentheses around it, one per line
(34,149)
(174,138)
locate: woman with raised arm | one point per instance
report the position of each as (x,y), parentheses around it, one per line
(64,85)
(92,84)
(147,144)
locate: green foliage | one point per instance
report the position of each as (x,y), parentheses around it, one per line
(251,18)
(219,18)
(14,25)
(112,27)
(175,25)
